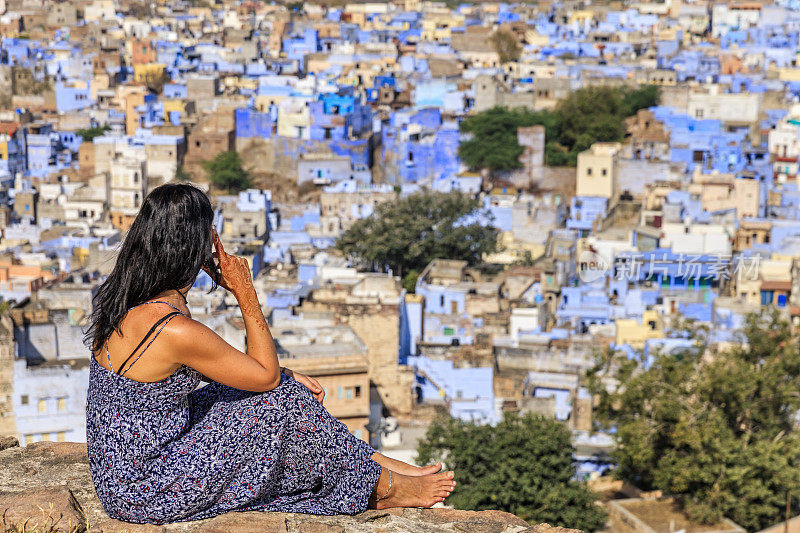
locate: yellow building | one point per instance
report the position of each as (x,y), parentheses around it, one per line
(294,118)
(150,73)
(597,170)
(635,333)
(580,16)
(789,74)
(239,82)
(128,98)
(437,27)
(262,102)
(534,38)
(512,251)
(172,105)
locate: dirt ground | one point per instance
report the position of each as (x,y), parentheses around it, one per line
(660,514)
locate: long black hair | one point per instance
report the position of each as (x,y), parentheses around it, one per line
(167,244)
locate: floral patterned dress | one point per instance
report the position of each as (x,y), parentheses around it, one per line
(166,451)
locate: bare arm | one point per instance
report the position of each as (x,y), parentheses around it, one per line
(201,348)
(258,369)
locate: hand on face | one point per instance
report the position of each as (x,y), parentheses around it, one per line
(234,272)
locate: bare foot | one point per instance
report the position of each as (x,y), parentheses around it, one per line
(418,491)
(404,468)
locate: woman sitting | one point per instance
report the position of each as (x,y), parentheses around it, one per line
(257,437)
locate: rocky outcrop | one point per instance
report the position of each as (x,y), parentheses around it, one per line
(47,487)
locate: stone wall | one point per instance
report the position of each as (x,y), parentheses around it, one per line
(378,325)
(46,486)
(7,425)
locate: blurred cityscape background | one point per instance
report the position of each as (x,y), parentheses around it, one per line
(554,243)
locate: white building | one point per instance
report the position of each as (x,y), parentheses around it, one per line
(50,400)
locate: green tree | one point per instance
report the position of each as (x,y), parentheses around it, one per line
(410,281)
(716,430)
(635,99)
(226,172)
(493,144)
(586,116)
(407,234)
(89,134)
(506,45)
(181,174)
(6,305)
(523,465)
(295,7)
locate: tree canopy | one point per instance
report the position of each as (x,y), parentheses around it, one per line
(493,143)
(506,45)
(407,234)
(181,174)
(716,430)
(226,172)
(88,134)
(523,465)
(584,117)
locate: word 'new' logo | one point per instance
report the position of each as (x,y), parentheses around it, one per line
(592,266)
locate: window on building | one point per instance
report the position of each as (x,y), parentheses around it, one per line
(767,297)
(42,406)
(589,171)
(340,392)
(24,399)
(357,433)
(357,392)
(604,171)
(62,404)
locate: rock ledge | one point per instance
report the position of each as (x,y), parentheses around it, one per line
(47,487)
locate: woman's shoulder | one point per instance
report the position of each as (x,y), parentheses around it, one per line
(185,329)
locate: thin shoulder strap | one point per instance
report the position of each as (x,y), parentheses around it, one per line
(163,320)
(108,357)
